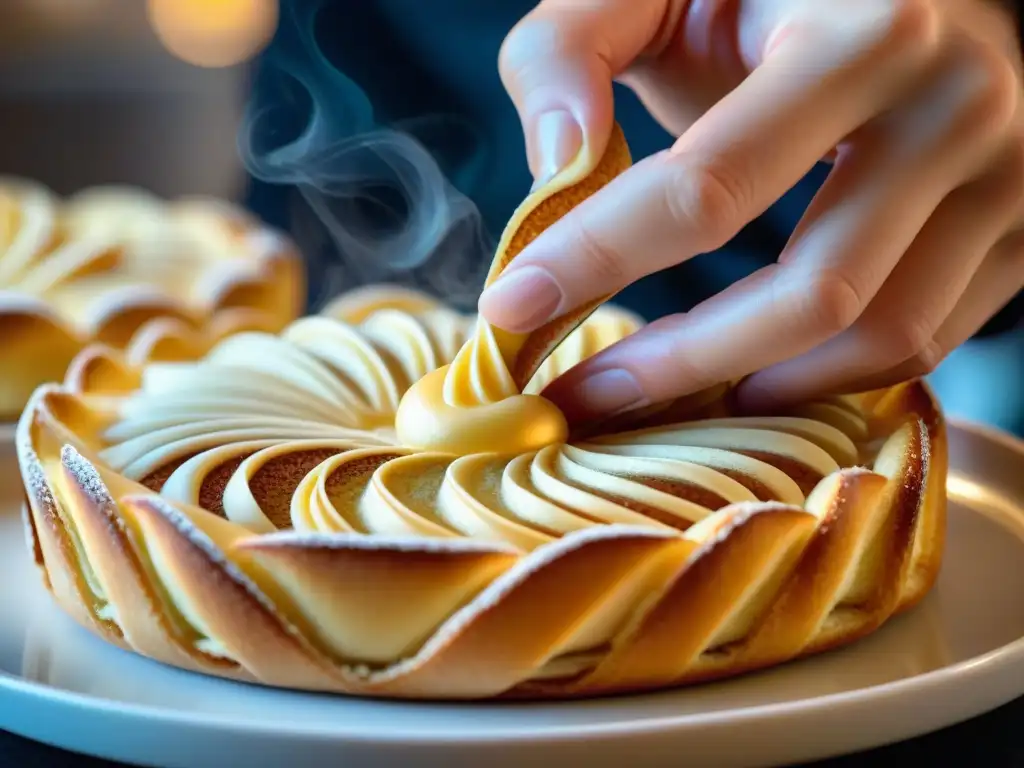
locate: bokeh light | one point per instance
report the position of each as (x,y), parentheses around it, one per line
(213,33)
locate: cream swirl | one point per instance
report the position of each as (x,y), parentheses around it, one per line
(473,406)
(477,404)
(292,431)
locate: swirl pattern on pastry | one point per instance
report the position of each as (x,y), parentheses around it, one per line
(256,514)
(120,267)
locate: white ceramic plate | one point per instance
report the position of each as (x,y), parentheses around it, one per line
(960,653)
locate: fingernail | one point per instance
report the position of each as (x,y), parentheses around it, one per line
(559,139)
(522,300)
(609,392)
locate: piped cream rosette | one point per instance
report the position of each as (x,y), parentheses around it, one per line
(157,280)
(257,514)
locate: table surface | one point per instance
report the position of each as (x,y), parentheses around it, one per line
(993,740)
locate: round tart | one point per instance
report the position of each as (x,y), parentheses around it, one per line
(377,502)
(118,266)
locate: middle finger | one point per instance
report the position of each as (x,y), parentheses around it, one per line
(873,206)
(902,320)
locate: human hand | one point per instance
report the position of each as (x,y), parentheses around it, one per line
(913,242)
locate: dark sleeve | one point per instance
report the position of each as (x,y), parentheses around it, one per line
(1008,318)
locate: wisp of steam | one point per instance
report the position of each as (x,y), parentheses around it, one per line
(377,206)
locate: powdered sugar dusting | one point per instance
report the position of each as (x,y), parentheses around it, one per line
(32,472)
(33,476)
(88,480)
(367,543)
(714,530)
(85,475)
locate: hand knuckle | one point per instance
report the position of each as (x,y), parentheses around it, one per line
(996,94)
(906,340)
(688,372)
(602,261)
(909,26)
(522,48)
(708,202)
(927,360)
(832,302)
(666,364)
(687,375)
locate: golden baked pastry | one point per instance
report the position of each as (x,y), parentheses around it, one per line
(121,267)
(376,502)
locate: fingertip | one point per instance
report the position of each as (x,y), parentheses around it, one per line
(557,140)
(560,84)
(561,392)
(569,110)
(752,396)
(521,300)
(585,395)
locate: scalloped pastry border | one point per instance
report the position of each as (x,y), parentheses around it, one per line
(109,550)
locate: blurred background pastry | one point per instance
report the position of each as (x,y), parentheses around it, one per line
(116,157)
(122,267)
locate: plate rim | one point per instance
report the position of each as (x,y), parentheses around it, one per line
(988,431)
(927,684)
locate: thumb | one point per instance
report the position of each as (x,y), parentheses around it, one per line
(558,64)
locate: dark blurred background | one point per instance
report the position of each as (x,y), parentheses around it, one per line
(155,92)
(90,95)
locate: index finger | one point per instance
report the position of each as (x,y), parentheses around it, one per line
(558,64)
(741,156)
